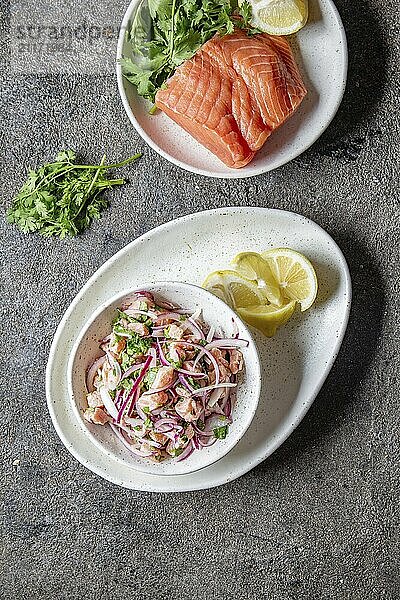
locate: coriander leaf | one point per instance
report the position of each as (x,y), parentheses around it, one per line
(62,198)
(220,432)
(165,33)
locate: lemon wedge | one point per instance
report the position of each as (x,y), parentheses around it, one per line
(294,274)
(253,266)
(279,17)
(267,318)
(235,290)
(265,288)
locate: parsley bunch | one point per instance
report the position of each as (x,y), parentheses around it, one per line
(61,198)
(164,33)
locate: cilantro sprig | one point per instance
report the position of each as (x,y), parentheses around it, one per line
(164,33)
(220,432)
(62,198)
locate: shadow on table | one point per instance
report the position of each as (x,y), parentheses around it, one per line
(367,76)
(354,361)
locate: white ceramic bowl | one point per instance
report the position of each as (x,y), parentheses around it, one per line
(214,312)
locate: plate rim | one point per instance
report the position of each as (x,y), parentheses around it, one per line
(245,466)
(236,173)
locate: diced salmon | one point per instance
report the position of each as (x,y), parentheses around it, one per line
(94,400)
(175,332)
(223,365)
(97,416)
(235,361)
(138,328)
(177,352)
(153,401)
(188,409)
(164,376)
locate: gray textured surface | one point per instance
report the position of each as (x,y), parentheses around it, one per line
(319,519)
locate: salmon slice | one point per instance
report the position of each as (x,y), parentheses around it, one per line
(199,98)
(233,93)
(267,66)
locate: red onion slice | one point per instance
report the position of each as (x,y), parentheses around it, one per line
(213,387)
(228,344)
(116,370)
(108,403)
(193,327)
(166,305)
(129,444)
(140,412)
(173,316)
(131,394)
(204,350)
(228,408)
(200,432)
(186,453)
(208,442)
(152,352)
(164,429)
(164,361)
(163,389)
(131,370)
(136,296)
(152,443)
(210,334)
(131,312)
(92,372)
(145,294)
(166,421)
(185,383)
(118,398)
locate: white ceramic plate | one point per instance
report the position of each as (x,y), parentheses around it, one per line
(294,364)
(321,52)
(216,314)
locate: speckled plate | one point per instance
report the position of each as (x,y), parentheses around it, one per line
(320,49)
(294,364)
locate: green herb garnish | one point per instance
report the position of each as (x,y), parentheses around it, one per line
(176,452)
(164,33)
(127,383)
(150,377)
(195,384)
(62,198)
(200,424)
(136,345)
(177,364)
(220,432)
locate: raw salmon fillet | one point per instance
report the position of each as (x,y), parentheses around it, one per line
(233,93)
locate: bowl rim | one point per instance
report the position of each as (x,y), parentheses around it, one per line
(119,296)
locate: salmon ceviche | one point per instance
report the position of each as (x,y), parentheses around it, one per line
(166,381)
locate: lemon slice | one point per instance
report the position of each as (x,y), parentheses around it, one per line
(234,289)
(294,273)
(267,318)
(279,17)
(253,266)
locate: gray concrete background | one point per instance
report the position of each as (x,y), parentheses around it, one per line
(318,519)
